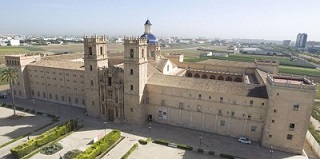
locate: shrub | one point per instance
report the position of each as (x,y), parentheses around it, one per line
(211,152)
(161,142)
(26,110)
(46,137)
(19,108)
(9,106)
(144,142)
(32,111)
(226,156)
(125,156)
(71,154)
(184,147)
(55,119)
(39,113)
(200,150)
(102,145)
(52,149)
(51,116)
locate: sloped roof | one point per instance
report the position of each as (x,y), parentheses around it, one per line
(208,85)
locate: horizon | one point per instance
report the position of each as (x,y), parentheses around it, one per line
(268,20)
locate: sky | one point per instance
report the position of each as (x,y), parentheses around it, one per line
(226,19)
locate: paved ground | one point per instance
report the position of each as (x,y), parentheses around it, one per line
(12,128)
(94,126)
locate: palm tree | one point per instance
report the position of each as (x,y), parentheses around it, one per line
(9,75)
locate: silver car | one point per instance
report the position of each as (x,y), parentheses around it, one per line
(244,140)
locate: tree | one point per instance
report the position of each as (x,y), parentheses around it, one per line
(10,75)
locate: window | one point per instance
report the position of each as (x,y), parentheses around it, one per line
(289,137)
(168,67)
(199,97)
(147,100)
(92,102)
(272,121)
(38,93)
(222,123)
(101,50)
(253,128)
(83,102)
(232,113)
(209,97)
(76,100)
(220,111)
(91,82)
(251,102)
(262,104)
(291,126)
(109,81)
(32,92)
(249,116)
(199,108)
(277,94)
(221,99)
(180,105)
(62,98)
(69,99)
(163,102)
(90,50)
(44,95)
(142,53)
(275,110)
(131,87)
(296,107)
(131,53)
(90,67)
(19,92)
(50,96)
(234,102)
(131,71)
(270,136)
(131,109)
(56,97)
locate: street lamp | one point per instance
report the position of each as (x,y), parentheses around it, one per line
(271,151)
(105,129)
(149,129)
(34,105)
(200,137)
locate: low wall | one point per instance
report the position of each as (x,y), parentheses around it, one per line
(313,143)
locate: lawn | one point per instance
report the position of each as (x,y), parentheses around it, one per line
(299,71)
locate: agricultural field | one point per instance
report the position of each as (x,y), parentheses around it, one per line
(4,50)
(299,71)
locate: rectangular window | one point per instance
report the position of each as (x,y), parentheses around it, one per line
(253,128)
(249,116)
(91,82)
(199,97)
(101,50)
(291,126)
(289,137)
(222,123)
(69,99)
(221,99)
(90,50)
(109,81)
(272,121)
(232,113)
(131,109)
(131,71)
(220,111)
(147,100)
(50,96)
(90,67)
(44,95)
(32,92)
(83,102)
(296,107)
(163,102)
(76,100)
(56,97)
(38,93)
(180,105)
(62,98)
(92,102)
(131,87)
(168,68)
(251,102)
(275,110)
(234,102)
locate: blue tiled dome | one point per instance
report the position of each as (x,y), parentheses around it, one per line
(151,39)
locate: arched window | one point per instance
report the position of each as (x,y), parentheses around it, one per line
(238,79)
(101,50)
(204,76)
(228,79)
(212,77)
(142,53)
(220,78)
(131,53)
(189,74)
(196,75)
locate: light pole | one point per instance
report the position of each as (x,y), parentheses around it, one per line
(105,129)
(149,129)
(59,111)
(34,105)
(200,137)
(271,151)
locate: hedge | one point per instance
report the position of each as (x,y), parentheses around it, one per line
(226,156)
(144,142)
(46,137)
(180,146)
(100,146)
(200,150)
(211,152)
(134,147)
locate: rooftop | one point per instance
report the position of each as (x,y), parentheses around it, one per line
(214,86)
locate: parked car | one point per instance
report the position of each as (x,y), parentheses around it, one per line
(3,95)
(244,140)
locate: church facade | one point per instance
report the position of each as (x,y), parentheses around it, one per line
(223,97)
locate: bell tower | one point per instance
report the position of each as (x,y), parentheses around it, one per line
(135,78)
(95,57)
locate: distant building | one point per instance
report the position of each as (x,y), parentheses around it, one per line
(14,42)
(286,42)
(301,40)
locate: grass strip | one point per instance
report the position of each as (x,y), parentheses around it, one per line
(134,147)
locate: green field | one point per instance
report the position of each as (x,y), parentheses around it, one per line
(18,49)
(299,71)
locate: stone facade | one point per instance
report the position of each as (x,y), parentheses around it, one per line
(223,97)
